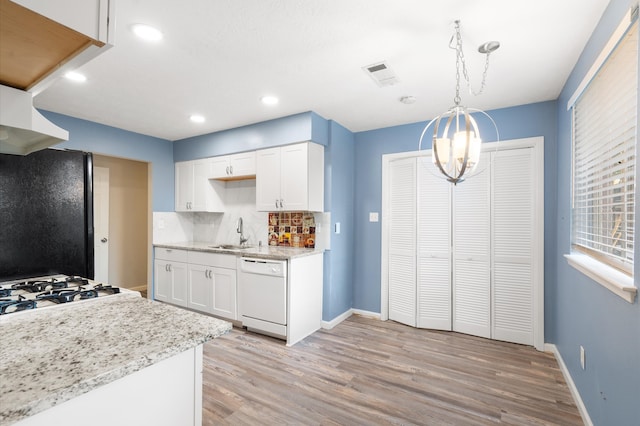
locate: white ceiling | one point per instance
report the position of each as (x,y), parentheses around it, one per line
(218,57)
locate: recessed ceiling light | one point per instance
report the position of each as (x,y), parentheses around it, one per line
(146,32)
(75,76)
(196,118)
(269,100)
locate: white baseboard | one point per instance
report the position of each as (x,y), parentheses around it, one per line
(337,320)
(343,316)
(550,347)
(368,314)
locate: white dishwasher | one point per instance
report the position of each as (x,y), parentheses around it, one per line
(262,295)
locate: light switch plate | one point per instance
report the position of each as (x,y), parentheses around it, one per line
(373,216)
(337,228)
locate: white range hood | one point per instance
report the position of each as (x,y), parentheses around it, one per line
(23,129)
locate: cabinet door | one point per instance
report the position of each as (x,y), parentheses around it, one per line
(472,254)
(200,288)
(206,195)
(219,167)
(224,293)
(434,248)
(402,241)
(243,164)
(268,179)
(184,186)
(179,280)
(162,276)
(294,183)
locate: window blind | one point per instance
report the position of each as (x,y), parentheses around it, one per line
(604,137)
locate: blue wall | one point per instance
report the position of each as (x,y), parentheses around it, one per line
(513,123)
(282,131)
(338,288)
(100,139)
(584,312)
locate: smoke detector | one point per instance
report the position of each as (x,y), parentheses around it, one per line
(381,73)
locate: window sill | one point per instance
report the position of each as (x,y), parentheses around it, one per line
(610,278)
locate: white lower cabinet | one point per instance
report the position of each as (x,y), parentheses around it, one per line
(170,272)
(212,284)
(224,294)
(200,288)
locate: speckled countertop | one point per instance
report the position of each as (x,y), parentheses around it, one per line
(50,355)
(264,252)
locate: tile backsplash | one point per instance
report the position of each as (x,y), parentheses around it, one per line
(292,229)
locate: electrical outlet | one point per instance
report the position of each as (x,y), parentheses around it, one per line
(582,357)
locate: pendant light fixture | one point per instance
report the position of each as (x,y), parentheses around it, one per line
(456,139)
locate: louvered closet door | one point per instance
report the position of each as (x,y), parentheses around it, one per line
(472,255)
(402,241)
(513,238)
(434,249)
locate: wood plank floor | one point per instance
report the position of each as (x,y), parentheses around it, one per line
(371,372)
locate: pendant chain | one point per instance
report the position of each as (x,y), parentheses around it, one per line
(460,59)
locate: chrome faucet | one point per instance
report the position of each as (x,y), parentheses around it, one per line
(243,240)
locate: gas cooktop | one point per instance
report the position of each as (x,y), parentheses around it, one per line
(41,292)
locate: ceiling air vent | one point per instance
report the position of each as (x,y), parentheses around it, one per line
(381,73)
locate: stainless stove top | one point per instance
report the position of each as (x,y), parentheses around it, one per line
(55,290)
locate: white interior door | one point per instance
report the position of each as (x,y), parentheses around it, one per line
(433,249)
(402,241)
(514,246)
(472,255)
(101,223)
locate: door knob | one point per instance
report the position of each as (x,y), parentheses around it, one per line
(104,240)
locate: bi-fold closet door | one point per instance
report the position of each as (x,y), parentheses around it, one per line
(461,258)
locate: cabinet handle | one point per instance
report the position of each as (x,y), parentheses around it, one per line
(231,168)
(280,202)
(166,267)
(169,265)
(227,169)
(276,203)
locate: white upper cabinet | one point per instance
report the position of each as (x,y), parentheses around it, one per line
(89,17)
(80,30)
(290,178)
(194,190)
(234,167)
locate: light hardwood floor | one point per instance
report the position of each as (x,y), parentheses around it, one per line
(371,372)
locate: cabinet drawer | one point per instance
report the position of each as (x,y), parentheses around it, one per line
(213,259)
(171,254)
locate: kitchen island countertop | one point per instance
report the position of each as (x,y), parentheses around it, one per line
(51,355)
(264,252)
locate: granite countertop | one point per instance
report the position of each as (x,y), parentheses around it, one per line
(264,252)
(53,354)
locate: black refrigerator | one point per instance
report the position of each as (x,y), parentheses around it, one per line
(46,214)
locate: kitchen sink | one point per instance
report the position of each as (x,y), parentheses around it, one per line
(230,247)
